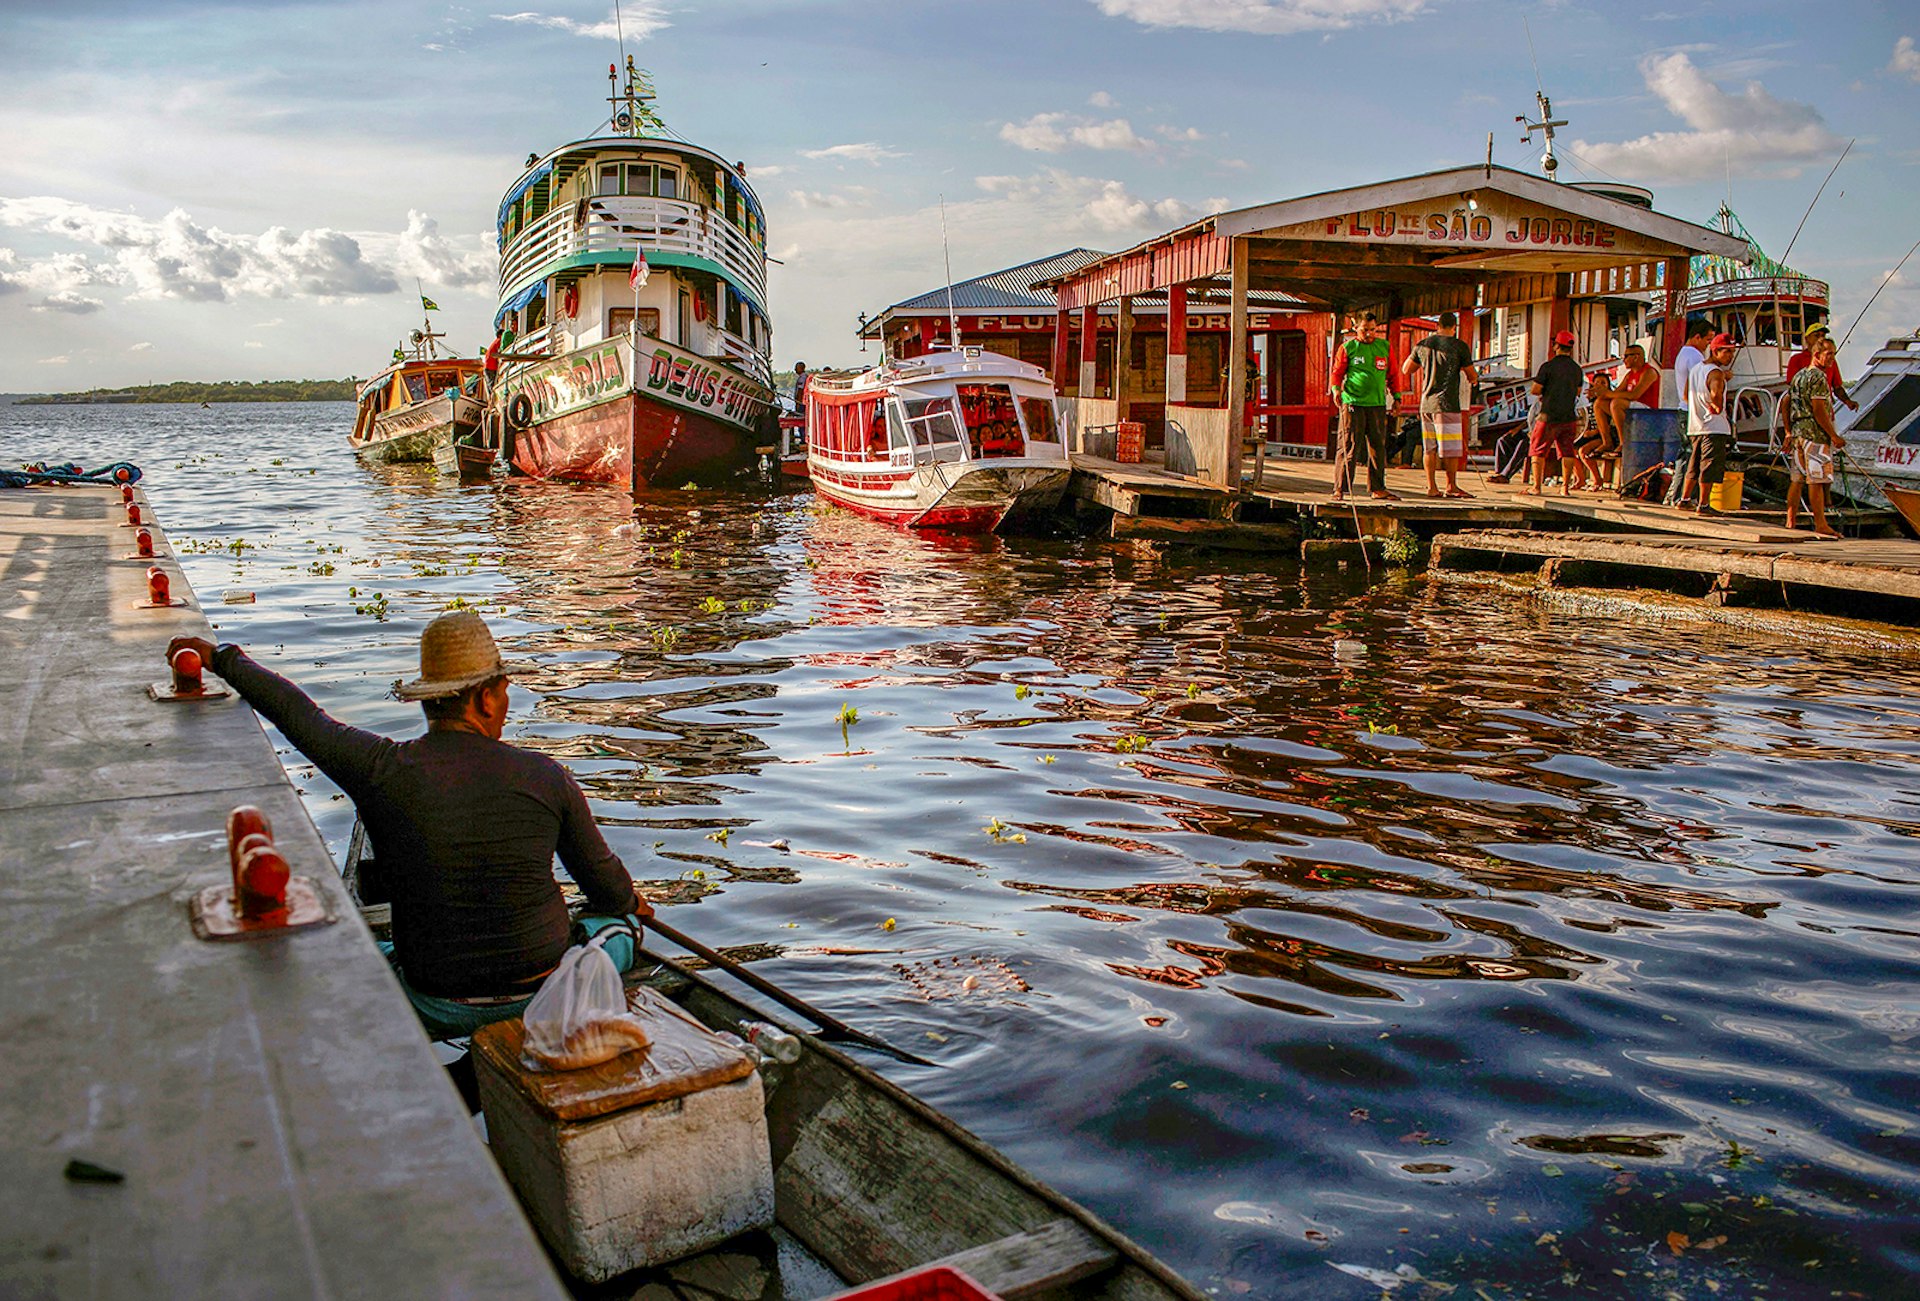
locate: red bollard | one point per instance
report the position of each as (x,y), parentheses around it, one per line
(264,875)
(159,587)
(133,513)
(243,822)
(143,543)
(186,672)
(126,492)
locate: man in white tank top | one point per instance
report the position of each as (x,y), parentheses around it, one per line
(1709,429)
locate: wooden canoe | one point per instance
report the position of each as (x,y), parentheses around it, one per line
(1907,502)
(870,1182)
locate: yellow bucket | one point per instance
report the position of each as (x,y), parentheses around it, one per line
(1726,494)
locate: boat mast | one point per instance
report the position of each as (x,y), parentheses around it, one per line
(633,113)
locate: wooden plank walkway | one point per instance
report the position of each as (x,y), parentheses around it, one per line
(1305,487)
(1865,566)
(280,1121)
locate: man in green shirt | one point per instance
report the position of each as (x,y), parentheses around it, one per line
(1360,390)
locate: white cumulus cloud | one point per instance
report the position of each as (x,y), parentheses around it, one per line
(864,152)
(1052,132)
(142,346)
(1752,131)
(60,360)
(1906,59)
(1093,204)
(178,257)
(854,196)
(1100,99)
(67,301)
(1261,17)
(640,21)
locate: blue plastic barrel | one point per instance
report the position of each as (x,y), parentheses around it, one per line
(1655,436)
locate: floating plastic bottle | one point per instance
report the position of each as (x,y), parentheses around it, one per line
(771,1041)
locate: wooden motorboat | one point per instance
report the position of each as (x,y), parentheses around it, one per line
(955,440)
(870,1182)
(469,459)
(423,400)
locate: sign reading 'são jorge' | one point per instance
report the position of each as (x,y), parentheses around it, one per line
(1499,222)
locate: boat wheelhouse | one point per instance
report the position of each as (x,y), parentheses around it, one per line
(956,440)
(420,403)
(1764,306)
(633,282)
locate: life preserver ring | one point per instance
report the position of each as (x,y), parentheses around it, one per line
(699,308)
(519,410)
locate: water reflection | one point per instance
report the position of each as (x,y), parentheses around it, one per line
(1271,916)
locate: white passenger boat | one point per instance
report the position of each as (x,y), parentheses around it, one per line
(1883,436)
(955,440)
(633,272)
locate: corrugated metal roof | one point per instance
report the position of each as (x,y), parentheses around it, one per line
(1011,288)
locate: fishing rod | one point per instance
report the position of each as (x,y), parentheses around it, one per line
(1885,281)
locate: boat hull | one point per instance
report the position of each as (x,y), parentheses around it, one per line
(634,417)
(412,433)
(965,497)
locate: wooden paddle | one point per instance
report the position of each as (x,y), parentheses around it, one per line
(834,1028)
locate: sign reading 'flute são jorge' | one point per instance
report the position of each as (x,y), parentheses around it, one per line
(1500,223)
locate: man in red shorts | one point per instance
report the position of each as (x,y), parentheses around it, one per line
(1557,384)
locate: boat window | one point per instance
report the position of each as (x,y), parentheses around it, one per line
(621,317)
(440,381)
(639,178)
(1038,413)
(610,178)
(669,183)
(935,417)
(896,428)
(416,387)
(992,427)
(1892,407)
(875,423)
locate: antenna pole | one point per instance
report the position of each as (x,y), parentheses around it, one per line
(1550,164)
(953,317)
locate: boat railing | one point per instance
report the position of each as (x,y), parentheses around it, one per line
(1769,403)
(614,224)
(739,353)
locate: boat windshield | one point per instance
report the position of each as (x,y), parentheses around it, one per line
(992,427)
(1038,415)
(1894,406)
(934,429)
(416,388)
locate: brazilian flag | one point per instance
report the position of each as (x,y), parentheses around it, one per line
(399,355)
(429,304)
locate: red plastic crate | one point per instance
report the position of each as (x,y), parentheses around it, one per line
(934,1283)
(1129,442)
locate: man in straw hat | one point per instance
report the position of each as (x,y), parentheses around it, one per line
(463,826)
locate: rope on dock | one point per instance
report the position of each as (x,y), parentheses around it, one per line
(38,472)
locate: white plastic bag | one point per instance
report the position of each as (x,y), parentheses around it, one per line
(579,1017)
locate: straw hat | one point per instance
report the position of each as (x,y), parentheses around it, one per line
(456,652)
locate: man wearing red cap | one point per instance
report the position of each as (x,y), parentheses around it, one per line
(1709,429)
(1557,384)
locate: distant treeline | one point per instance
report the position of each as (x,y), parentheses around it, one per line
(269,390)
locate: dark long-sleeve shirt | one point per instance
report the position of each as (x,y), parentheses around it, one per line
(464,829)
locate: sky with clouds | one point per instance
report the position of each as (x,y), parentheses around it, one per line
(196,190)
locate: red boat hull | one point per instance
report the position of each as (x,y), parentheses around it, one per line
(958,519)
(636,443)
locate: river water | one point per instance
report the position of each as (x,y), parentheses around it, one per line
(1323,936)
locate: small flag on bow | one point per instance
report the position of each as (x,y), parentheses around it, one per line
(429,304)
(399,355)
(641,270)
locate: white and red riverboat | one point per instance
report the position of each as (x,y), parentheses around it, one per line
(655,376)
(957,440)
